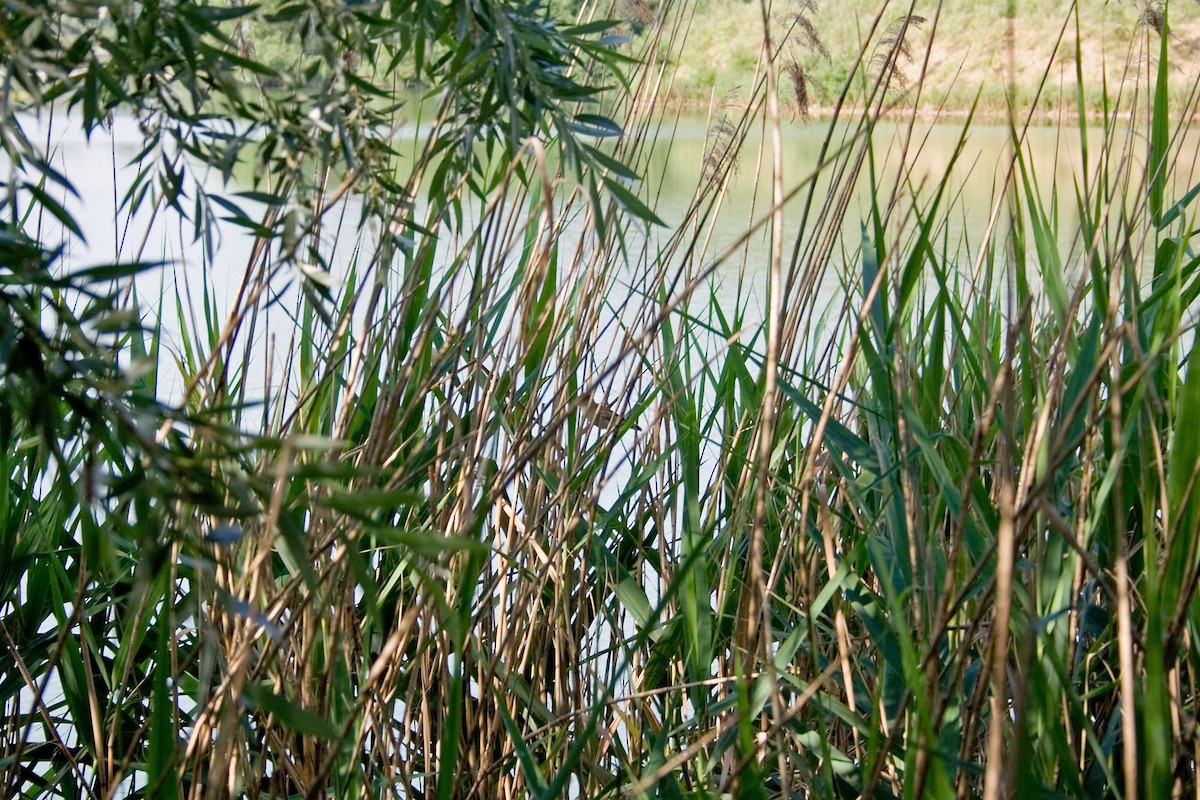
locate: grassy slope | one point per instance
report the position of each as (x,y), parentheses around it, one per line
(969,57)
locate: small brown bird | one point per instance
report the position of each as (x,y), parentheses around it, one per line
(602,415)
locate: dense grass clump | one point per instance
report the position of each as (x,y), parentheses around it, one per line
(472,487)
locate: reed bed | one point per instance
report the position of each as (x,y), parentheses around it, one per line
(507,504)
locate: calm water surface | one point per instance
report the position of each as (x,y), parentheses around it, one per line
(100,172)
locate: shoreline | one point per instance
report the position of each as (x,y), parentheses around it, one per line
(987,116)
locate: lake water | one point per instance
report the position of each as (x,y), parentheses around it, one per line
(101,173)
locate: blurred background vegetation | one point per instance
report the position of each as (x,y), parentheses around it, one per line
(967,59)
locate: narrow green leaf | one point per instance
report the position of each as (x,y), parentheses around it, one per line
(162,734)
(630,202)
(1160,132)
(290,714)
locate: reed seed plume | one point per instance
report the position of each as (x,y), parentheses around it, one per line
(799,80)
(810,38)
(798,23)
(1153,16)
(722,148)
(893,50)
(800,34)
(637,12)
